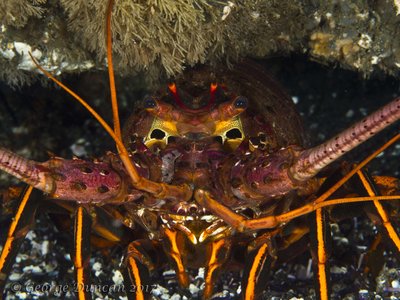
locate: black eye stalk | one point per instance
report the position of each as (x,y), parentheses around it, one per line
(149,103)
(241,102)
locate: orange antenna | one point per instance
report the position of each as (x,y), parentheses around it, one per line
(114,102)
(172,88)
(123,152)
(158,189)
(213,89)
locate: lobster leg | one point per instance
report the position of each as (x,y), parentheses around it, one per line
(371,190)
(81,253)
(218,254)
(105,225)
(21,223)
(174,248)
(138,265)
(242,224)
(258,265)
(320,233)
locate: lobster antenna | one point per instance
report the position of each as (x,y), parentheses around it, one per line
(211,101)
(114,101)
(172,88)
(313,160)
(123,152)
(145,184)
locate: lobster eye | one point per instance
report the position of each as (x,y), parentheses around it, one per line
(241,102)
(149,102)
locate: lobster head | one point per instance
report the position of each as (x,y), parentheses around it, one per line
(226,105)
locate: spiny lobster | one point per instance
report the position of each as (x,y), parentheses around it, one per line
(209,171)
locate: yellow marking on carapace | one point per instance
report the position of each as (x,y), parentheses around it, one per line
(212,265)
(323,285)
(136,276)
(168,127)
(257,264)
(381,211)
(78,253)
(175,254)
(11,231)
(223,126)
